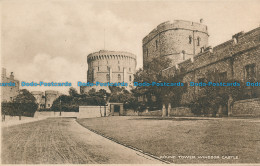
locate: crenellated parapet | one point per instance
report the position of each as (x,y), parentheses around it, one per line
(175,25)
(179,40)
(110,66)
(104,54)
(240,42)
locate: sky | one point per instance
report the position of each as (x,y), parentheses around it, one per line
(49,40)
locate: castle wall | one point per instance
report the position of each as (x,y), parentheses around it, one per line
(250,107)
(231,57)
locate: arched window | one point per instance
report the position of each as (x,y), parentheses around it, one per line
(119,77)
(129,69)
(118,68)
(198,41)
(118,62)
(183,54)
(130,78)
(107,68)
(190,39)
(202,49)
(108,79)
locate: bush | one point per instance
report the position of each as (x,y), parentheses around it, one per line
(19,109)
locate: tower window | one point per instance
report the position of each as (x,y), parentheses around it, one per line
(190,39)
(107,68)
(202,49)
(223,76)
(130,69)
(118,68)
(183,54)
(198,39)
(130,78)
(250,72)
(98,68)
(119,77)
(118,62)
(107,76)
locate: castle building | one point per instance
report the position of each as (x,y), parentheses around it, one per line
(236,59)
(186,44)
(50,96)
(40,98)
(179,40)
(110,66)
(45,100)
(10,91)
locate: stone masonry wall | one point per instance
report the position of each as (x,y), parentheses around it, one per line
(230,57)
(172,39)
(249,107)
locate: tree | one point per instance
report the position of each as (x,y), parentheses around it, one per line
(152,72)
(214,98)
(72,102)
(25,97)
(25,103)
(73,92)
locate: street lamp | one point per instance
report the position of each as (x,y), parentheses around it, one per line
(60,107)
(105,98)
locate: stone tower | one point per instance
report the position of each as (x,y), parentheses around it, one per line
(110,66)
(179,40)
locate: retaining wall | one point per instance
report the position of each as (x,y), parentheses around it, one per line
(250,107)
(91,111)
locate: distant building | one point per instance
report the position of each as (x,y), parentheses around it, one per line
(8,93)
(45,99)
(40,98)
(110,66)
(50,96)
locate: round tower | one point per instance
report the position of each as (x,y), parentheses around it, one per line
(111,66)
(50,96)
(179,40)
(38,95)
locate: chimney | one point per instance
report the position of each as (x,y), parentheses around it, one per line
(11,76)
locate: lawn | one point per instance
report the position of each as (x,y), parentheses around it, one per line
(185,140)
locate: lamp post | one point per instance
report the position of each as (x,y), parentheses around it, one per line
(105,98)
(60,107)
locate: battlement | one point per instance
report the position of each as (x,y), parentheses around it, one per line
(175,25)
(186,65)
(105,54)
(36,92)
(239,42)
(51,92)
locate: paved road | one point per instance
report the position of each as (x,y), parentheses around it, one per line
(63,140)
